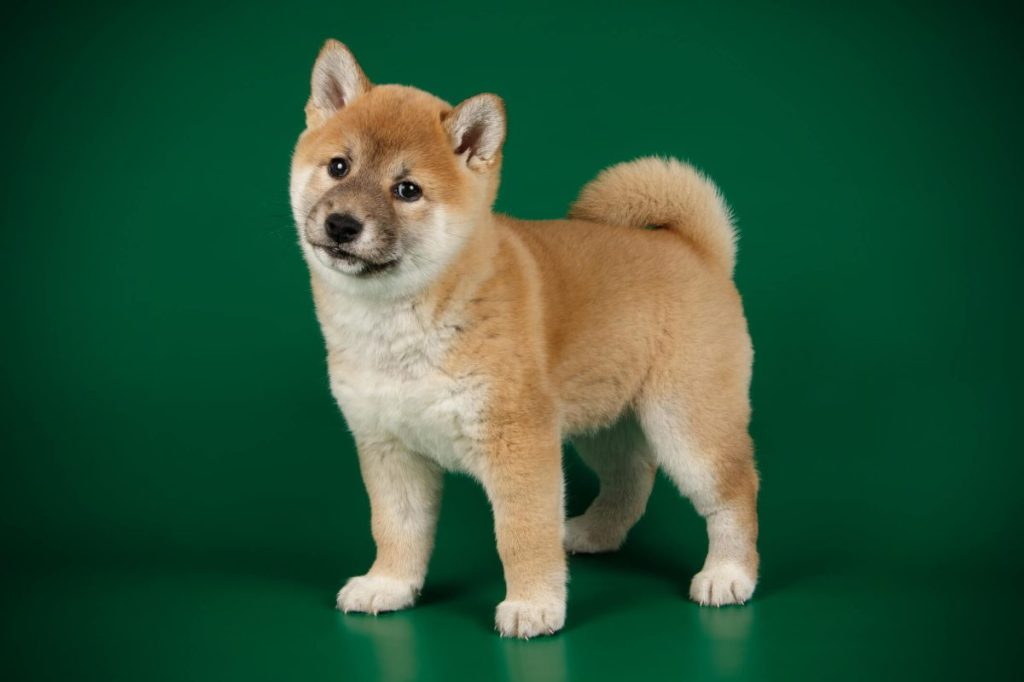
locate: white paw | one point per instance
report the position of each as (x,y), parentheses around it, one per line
(720,584)
(587,535)
(374,594)
(526,619)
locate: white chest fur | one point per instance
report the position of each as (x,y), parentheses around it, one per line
(389,374)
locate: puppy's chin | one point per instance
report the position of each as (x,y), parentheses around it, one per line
(351,265)
(344,266)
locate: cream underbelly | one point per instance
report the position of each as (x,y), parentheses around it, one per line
(432,415)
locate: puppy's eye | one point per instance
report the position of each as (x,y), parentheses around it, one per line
(407,191)
(338,167)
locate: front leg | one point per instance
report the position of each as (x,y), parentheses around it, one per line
(405,496)
(523,479)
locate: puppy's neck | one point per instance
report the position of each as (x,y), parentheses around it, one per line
(467,272)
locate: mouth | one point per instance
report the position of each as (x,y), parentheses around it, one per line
(364,267)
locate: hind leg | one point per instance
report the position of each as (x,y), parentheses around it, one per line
(709,456)
(621,459)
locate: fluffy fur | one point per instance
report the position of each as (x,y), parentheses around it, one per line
(462,340)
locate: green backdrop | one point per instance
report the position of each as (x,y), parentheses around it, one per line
(179,496)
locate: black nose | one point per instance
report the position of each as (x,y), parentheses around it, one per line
(342,228)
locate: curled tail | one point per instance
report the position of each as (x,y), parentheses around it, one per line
(667,194)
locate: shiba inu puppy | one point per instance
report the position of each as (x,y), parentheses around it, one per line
(461,340)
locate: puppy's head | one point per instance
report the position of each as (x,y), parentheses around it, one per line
(388,181)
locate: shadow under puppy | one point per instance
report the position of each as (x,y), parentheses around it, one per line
(462,340)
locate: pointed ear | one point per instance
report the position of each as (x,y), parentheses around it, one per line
(337,82)
(477,129)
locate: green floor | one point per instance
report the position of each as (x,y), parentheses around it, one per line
(819,614)
(180,499)
(855,622)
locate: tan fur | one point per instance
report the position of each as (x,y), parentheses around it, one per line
(635,194)
(632,342)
